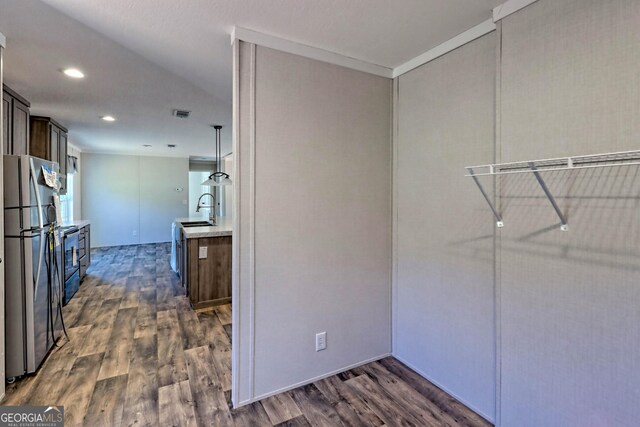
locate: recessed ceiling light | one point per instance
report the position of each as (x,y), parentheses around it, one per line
(108,118)
(74,73)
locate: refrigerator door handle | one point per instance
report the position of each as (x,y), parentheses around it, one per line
(34,180)
(36,279)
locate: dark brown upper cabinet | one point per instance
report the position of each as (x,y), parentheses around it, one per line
(15,123)
(49,141)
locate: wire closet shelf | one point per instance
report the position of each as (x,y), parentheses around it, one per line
(623,158)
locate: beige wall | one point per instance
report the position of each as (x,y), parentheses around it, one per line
(567,320)
(570,327)
(314,229)
(528,325)
(444,287)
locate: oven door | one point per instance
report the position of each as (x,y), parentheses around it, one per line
(71,254)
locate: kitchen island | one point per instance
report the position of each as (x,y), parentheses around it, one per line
(203,260)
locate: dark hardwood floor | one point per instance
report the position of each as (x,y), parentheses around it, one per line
(139,356)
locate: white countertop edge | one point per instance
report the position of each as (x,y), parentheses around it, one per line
(198,232)
(223,228)
(79,223)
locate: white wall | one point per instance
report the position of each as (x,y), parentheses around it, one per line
(77,182)
(132,199)
(227,200)
(314,230)
(444,287)
(195,191)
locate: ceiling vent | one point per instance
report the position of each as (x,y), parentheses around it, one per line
(182,114)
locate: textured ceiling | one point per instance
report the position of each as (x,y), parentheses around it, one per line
(191,37)
(153,55)
(140,94)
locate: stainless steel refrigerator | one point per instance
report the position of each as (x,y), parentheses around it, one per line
(33,269)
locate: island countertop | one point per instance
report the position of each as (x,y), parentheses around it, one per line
(77,223)
(223,227)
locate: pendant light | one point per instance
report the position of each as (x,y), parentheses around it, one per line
(217,178)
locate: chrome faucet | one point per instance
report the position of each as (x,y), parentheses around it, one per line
(212,212)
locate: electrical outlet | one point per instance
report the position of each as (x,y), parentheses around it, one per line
(321,341)
(202,252)
(135,233)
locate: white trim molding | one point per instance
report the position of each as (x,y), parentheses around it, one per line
(509,7)
(446,47)
(505,9)
(3,40)
(311,52)
(235,242)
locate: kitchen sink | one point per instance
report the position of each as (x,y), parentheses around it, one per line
(197,224)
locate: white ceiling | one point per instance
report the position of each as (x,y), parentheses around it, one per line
(145,57)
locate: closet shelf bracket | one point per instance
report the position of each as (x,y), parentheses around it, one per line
(607,160)
(563,220)
(499,222)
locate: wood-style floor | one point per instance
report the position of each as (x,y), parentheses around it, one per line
(139,356)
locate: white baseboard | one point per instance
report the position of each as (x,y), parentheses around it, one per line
(311,380)
(440,386)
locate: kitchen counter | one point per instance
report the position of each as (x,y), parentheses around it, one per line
(224,227)
(202,258)
(79,223)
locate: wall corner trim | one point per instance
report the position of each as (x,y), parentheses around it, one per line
(273,42)
(3,40)
(509,7)
(446,47)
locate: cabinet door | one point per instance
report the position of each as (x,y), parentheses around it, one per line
(178,242)
(6,123)
(20,128)
(214,273)
(184,267)
(52,149)
(62,161)
(87,236)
